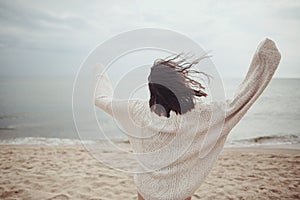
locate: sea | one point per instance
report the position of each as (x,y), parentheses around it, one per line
(38,111)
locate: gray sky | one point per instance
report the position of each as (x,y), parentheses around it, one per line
(52,38)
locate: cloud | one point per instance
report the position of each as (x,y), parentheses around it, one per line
(231,29)
(31,28)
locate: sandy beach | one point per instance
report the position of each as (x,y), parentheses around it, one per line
(70,172)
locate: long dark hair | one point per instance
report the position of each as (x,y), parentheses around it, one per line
(172,87)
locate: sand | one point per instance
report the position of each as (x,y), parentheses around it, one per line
(69,172)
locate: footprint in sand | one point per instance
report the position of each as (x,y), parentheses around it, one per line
(59,197)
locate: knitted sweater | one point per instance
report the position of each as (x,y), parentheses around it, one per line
(177,153)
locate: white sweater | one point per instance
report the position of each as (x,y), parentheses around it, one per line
(179,152)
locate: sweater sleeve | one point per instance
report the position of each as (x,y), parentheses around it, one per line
(264,64)
(103,90)
(223,116)
(120,109)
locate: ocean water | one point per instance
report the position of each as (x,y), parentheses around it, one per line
(39,111)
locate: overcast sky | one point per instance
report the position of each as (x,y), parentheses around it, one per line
(52,38)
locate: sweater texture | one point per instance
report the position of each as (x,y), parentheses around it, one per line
(177,153)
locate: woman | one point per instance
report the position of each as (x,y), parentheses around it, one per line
(182,137)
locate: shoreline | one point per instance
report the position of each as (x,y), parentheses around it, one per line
(295,147)
(44,141)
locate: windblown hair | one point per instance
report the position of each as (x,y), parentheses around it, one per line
(172,86)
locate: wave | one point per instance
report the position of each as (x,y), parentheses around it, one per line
(28,125)
(53,141)
(7,128)
(43,141)
(267,140)
(2,117)
(256,141)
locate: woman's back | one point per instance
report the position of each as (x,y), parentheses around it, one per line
(171,152)
(176,151)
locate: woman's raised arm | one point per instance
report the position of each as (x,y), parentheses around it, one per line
(103,90)
(225,115)
(120,109)
(264,63)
